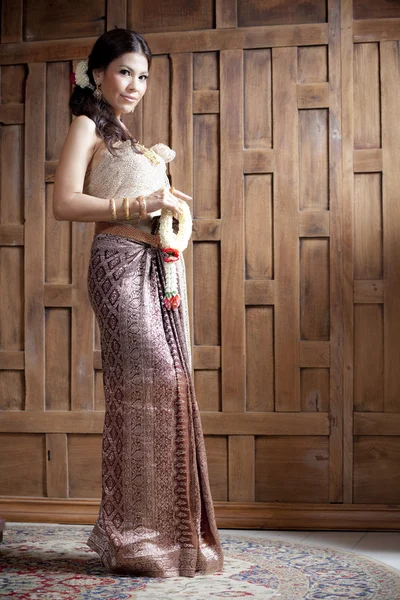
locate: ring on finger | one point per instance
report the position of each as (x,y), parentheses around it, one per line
(172,190)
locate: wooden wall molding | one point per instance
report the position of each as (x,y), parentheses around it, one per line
(271,36)
(235,515)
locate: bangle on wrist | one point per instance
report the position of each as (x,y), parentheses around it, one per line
(113,209)
(142,207)
(126,208)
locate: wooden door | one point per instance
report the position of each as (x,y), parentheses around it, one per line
(284,119)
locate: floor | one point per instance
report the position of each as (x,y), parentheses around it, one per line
(383,546)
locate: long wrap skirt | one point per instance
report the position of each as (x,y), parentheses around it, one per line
(156,516)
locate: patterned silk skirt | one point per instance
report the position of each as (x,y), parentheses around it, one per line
(156,516)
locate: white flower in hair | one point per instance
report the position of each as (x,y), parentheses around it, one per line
(164,151)
(81,76)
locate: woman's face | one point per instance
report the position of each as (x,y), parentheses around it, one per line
(125,77)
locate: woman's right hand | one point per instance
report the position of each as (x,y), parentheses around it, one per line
(163,198)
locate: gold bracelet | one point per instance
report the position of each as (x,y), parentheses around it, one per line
(113,209)
(126,208)
(142,207)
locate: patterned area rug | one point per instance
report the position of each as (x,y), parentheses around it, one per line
(45,562)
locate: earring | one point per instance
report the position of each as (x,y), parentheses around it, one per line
(97,92)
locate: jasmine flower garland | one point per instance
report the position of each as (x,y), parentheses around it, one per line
(172,244)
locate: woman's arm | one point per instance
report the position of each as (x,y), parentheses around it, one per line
(69,203)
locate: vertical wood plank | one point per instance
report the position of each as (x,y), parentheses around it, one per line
(233,360)
(337,307)
(56,465)
(343,306)
(34,236)
(286,185)
(241,468)
(82,324)
(181,169)
(116,14)
(225,14)
(390,82)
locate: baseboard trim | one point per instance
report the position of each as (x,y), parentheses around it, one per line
(229,515)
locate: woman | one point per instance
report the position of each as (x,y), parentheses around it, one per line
(156,517)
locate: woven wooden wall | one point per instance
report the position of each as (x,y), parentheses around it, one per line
(284,118)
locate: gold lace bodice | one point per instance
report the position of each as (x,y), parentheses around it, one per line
(129,174)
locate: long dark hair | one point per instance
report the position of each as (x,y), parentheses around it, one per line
(108,47)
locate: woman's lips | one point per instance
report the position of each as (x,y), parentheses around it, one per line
(129,98)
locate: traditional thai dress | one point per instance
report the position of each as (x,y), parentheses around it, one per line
(156,516)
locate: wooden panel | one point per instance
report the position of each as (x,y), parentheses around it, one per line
(207,357)
(207,173)
(156,105)
(236,515)
(390,81)
(368,358)
(12,390)
(241,468)
(11,161)
(312,95)
(344,214)
(11,235)
(22,464)
(232,232)
(82,385)
(259,292)
(57,246)
(313,158)
(377,469)
(286,247)
(217,461)
(58,359)
(259,359)
(46,21)
(253,12)
(34,237)
(366,96)
(208,389)
(312,64)
(206,230)
(367,161)
(368,291)
(207,320)
(205,101)
(99,399)
(228,422)
(258,226)
(226,13)
(257,99)
(303,461)
(372,30)
(368,234)
(56,465)
(315,354)
(314,390)
(314,223)
(175,15)
(377,423)
(314,289)
(84,466)
(185,41)
(258,161)
(205,71)
(181,169)
(11,299)
(365,9)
